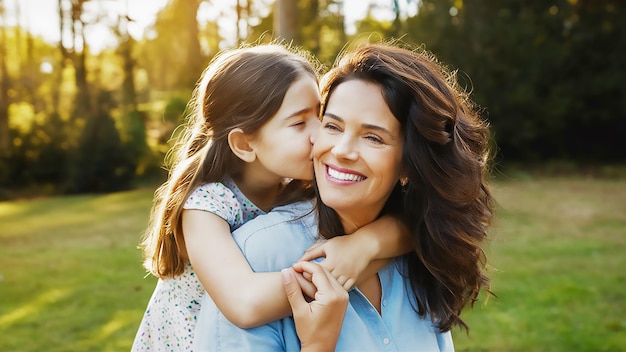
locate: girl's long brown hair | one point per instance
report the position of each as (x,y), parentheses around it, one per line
(446,203)
(240,88)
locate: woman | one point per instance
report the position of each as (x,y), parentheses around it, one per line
(229,166)
(398,137)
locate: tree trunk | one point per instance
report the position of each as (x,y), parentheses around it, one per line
(58,72)
(83,106)
(195,59)
(128,87)
(129,93)
(238,21)
(314,22)
(4,89)
(286,21)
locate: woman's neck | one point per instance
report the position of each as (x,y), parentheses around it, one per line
(355,220)
(371,287)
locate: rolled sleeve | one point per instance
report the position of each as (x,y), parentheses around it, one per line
(278,239)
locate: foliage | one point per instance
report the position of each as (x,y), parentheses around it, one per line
(134,140)
(101,162)
(40,157)
(50,166)
(173,57)
(175,110)
(548,74)
(320,29)
(173,116)
(548,77)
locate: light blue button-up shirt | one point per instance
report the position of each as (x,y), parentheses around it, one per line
(276,240)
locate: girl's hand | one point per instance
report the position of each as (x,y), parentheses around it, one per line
(354,258)
(346,257)
(307,287)
(318,323)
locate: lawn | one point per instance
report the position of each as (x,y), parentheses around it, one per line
(71,279)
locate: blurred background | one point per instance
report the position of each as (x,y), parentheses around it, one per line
(91,92)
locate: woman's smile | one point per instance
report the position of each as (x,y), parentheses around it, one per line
(343,176)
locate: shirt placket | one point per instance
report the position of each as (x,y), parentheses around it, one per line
(374,320)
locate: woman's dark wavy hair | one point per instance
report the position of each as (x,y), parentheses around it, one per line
(446,202)
(241,88)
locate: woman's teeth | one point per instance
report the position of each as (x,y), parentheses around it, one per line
(342,176)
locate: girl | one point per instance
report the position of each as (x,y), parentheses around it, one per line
(254,120)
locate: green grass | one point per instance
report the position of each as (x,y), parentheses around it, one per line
(558,258)
(72,279)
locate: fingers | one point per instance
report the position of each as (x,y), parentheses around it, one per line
(341,279)
(292,290)
(348,284)
(307,287)
(307,276)
(321,278)
(314,252)
(344,280)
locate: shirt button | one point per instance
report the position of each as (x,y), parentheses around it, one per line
(386,341)
(384,302)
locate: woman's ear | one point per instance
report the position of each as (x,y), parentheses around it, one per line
(240,145)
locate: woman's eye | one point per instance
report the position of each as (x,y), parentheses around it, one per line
(299,123)
(331,126)
(374,138)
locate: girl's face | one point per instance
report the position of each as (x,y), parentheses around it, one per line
(284,144)
(358,153)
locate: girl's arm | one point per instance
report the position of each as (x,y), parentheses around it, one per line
(249,299)
(354,258)
(246,298)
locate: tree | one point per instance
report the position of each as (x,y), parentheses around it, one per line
(125,50)
(286,21)
(82,103)
(4,88)
(548,74)
(101,162)
(173,58)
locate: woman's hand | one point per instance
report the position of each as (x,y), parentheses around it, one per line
(318,323)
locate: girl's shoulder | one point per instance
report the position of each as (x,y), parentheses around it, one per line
(213,189)
(210,196)
(224,199)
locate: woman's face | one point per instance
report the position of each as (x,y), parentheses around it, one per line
(358,153)
(284,144)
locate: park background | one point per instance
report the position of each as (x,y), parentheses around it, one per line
(91,92)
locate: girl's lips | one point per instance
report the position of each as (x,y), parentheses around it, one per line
(343,175)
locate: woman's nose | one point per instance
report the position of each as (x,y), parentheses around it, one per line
(345,148)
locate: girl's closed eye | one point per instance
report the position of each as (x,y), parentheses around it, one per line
(299,123)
